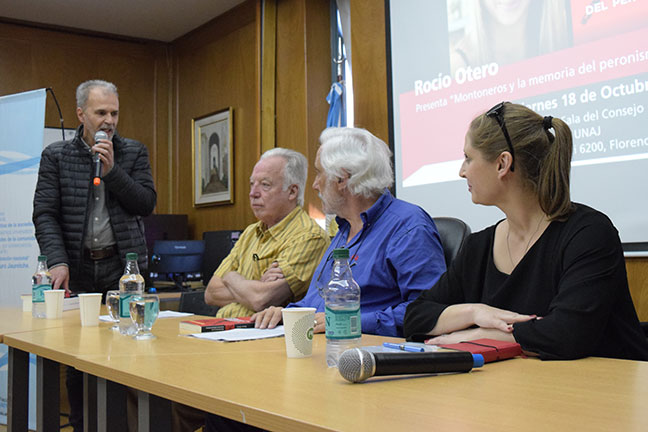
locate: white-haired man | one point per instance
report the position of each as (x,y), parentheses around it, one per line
(394,246)
(274,259)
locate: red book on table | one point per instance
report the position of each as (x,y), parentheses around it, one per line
(491,349)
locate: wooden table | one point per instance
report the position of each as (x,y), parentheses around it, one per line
(56,342)
(15,321)
(255,382)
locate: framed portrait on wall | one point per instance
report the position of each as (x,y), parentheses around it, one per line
(212,144)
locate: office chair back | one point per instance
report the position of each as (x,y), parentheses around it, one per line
(453,233)
(194,302)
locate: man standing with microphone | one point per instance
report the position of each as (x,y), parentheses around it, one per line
(91,195)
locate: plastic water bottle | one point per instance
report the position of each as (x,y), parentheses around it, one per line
(41,282)
(130,284)
(342,299)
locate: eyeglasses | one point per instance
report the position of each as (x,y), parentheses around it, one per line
(498,112)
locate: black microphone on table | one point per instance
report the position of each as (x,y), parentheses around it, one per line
(356,365)
(96,161)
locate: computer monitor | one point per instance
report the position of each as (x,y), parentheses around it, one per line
(179,261)
(218,245)
(165,227)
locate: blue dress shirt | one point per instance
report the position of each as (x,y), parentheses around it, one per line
(395,256)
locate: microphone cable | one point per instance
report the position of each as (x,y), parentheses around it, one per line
(49,89)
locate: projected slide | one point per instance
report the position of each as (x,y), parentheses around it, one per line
(583,61)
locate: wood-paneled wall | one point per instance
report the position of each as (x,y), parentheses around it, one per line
(369,67)
(33,58)
(302,79)
(163,86)
(637,269)
(216,67)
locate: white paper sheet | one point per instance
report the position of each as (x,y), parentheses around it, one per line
(172,314)
(162,314)
(241,334)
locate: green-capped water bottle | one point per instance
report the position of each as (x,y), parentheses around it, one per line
(342,300)
(41,282)
(130,284)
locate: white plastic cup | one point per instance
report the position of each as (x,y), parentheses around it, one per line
(26,302)
(298,328)
(89,307)
(54,303)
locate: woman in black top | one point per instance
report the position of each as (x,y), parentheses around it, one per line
(551,276)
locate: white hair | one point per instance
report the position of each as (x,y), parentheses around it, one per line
(84,88)
(295,171)
(361,155)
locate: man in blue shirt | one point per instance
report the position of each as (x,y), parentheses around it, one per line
(394,247)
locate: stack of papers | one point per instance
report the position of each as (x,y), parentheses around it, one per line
(241,334)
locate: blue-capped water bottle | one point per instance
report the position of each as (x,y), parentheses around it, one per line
(342,300)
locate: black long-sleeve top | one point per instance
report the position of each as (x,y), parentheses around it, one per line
(574,277)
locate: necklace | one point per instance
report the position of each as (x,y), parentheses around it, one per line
(508,234)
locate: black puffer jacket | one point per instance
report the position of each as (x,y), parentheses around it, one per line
(62,198)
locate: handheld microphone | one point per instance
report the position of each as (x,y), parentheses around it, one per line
(96,161)
(356,365)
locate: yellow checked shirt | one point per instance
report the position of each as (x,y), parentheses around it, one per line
(296,243)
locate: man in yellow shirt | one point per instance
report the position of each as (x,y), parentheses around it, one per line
(274,259)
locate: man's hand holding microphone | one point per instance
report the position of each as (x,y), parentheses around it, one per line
(103,156)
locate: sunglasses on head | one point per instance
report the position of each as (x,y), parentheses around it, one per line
(498,112)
